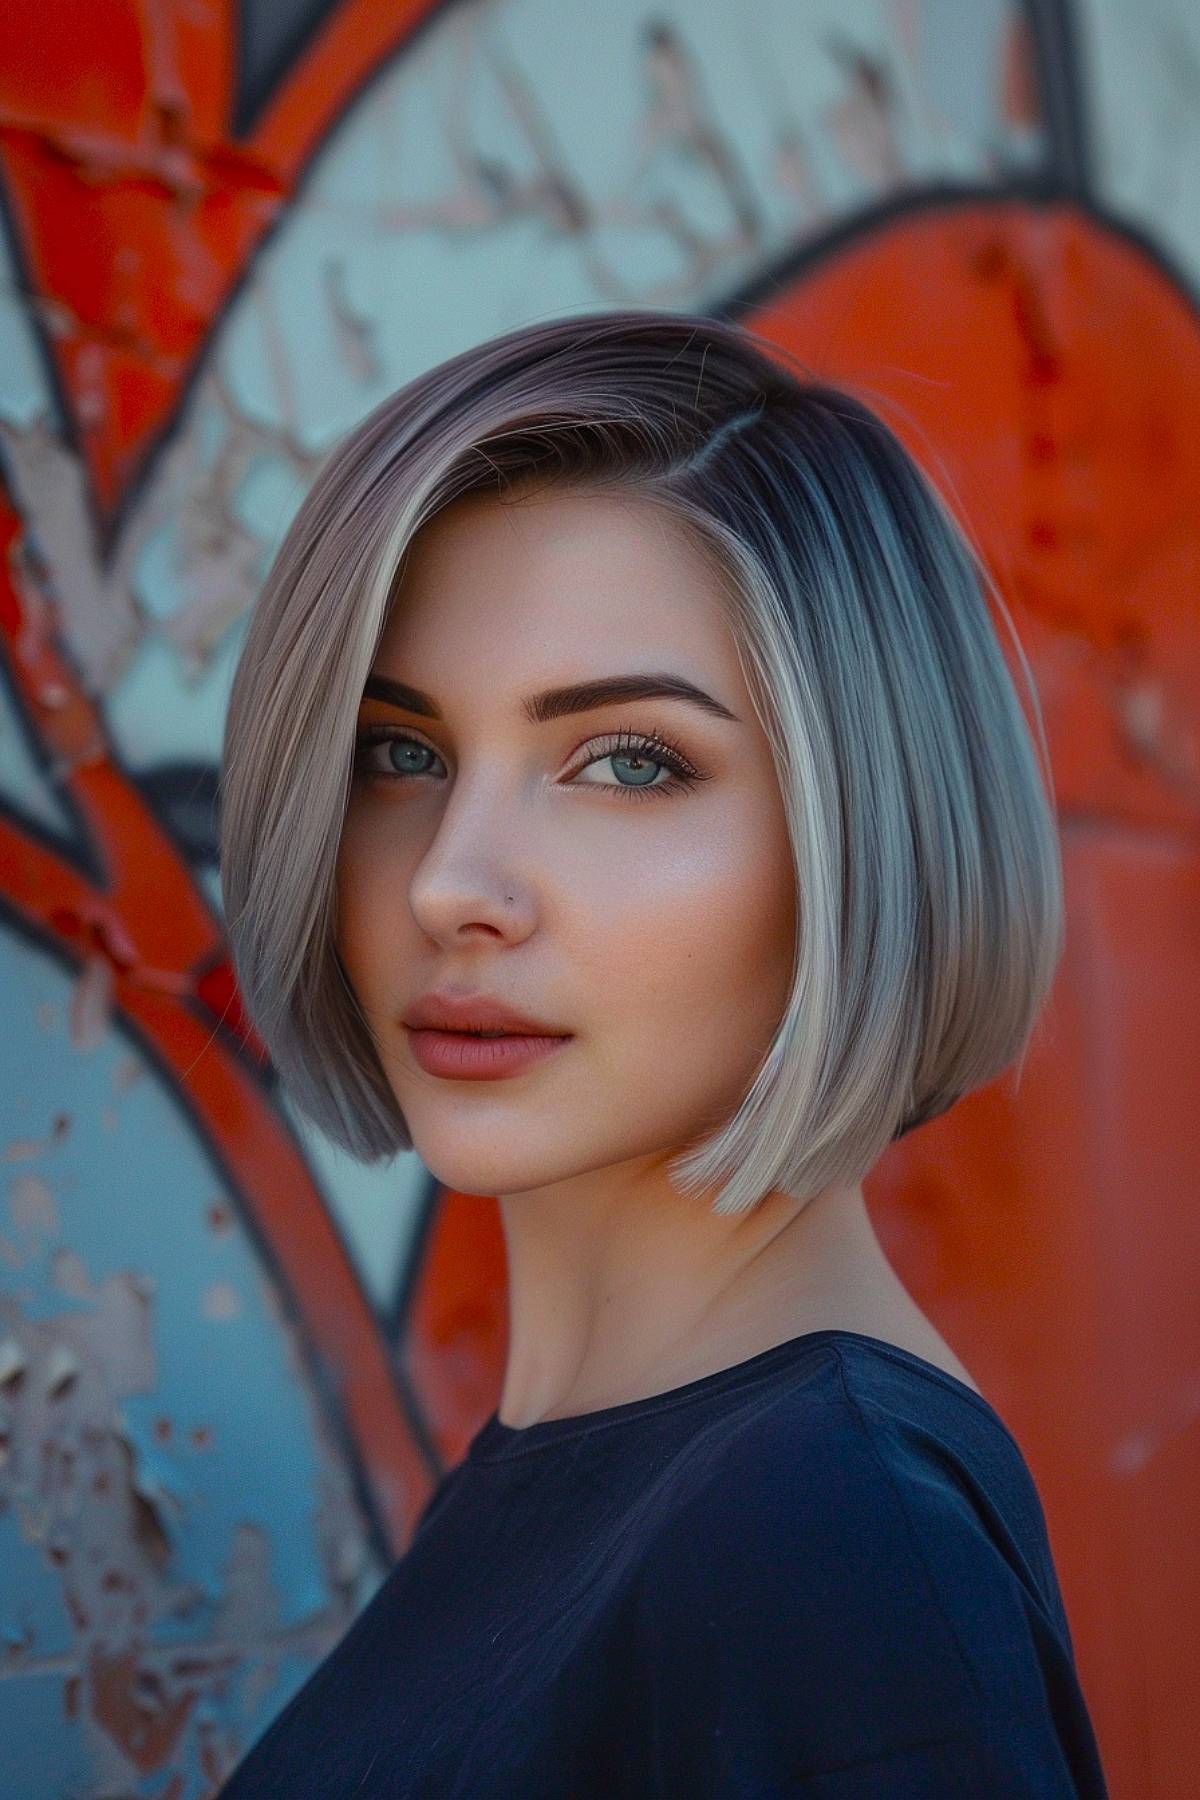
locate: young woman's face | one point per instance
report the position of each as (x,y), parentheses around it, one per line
(547,866)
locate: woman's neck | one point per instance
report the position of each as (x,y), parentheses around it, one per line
(611,1301)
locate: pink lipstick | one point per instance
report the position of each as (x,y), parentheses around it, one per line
(472,1037)
(460,1056)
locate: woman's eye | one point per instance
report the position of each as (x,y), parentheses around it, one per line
(642,765)
(639,761)
(402,754)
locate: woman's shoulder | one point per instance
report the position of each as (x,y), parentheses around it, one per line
(868,1416)
(871,1488)
(864,1563)
(842,1415)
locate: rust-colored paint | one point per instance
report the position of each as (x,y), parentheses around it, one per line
(1052,1233)
(456,1327)
(113,127)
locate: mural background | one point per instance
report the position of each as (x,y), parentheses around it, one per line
(233,1363)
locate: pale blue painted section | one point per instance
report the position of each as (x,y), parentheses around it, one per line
(129,1186)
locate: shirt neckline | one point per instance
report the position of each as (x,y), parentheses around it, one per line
(497,1442)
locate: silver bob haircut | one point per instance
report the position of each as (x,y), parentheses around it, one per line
(926,852)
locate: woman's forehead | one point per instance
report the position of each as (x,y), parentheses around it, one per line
(557,579)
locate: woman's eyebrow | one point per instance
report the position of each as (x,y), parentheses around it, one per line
(556,703)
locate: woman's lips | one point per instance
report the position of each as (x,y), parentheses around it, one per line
(460,1056)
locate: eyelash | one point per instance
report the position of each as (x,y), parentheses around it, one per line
(653,745)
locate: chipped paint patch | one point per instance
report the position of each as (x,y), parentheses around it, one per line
(159,1599)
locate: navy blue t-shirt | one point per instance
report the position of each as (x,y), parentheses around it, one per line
(823,1573)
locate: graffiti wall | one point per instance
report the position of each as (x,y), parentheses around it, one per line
(233,1362)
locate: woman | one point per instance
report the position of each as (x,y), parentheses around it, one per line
(622,691)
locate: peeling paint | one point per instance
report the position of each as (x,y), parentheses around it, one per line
(106,1511)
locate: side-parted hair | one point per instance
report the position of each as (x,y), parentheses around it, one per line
(928,875)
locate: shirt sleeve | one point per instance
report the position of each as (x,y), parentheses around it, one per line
(827,1619)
